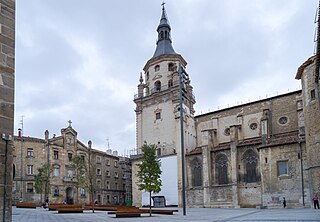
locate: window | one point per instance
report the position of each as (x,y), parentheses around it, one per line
(250,163)
(116,186)
(56,192)
(70,156)
(222,169)
(108,185)
(82,158)
(30,152)
(107,162)
(157,86)
(170,83)
(282,168)
(227,131)
(196,173)
(69,173)
(99,184)
(313,94)
(82,192)
(30,169)
(171,67)
(115,163)
(253,126)
(283,120)
(56,171)
(123,187)
(55,155)
(157,68)
(98,171)
(29,187)
(158,151)
(116,175)
(158,115)
(98,159)
(108,198)
(108,173)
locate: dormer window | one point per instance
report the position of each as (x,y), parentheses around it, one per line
(156,68)
(157,85)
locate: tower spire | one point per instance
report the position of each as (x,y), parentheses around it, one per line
(164,46)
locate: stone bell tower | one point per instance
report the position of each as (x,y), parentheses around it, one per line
(157,105)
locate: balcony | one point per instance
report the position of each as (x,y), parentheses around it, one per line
(69,179)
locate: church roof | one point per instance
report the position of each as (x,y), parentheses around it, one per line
(303,66)
(164,43)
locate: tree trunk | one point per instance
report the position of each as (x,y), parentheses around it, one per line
(150,203)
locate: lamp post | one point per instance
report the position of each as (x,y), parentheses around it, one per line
(6,139)
(90,175)
(182,72)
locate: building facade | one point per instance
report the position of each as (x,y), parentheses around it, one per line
(7,76)
(249,155)
(110,173)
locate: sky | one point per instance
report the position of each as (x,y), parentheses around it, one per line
(81,60)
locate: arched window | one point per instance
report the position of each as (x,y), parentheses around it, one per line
(157,85)
(156,68)
(165,34)
(171,66)
(161,34)
(250,163)
(222,169)
(196,173)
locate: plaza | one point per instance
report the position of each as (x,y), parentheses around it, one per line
(193,214)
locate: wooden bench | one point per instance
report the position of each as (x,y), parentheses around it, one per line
(70,210)
(59,206)
(26,205)
(128,211)
(158,211)
(101,207)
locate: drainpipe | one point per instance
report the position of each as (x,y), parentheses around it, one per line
(301,168)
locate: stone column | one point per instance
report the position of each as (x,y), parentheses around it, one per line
(234,163)
(7,56)
(206,169)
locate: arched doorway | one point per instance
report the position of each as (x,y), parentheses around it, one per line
(69,195)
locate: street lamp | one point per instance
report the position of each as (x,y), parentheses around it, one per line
(6,139)
(90,175)
(182,72)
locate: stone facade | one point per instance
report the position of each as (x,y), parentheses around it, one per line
(249,155)
(311,106)
(7,66)
(111,174)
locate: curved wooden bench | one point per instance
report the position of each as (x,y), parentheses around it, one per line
(26,205)
(128,211)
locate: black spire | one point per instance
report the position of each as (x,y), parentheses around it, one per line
(164,45)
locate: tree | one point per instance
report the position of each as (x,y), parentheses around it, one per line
(42,179)
(149,172)
(79,167)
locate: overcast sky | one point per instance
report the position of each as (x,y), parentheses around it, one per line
(80,60)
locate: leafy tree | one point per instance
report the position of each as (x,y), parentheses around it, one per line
(149,172)
(80,169)
(42,179)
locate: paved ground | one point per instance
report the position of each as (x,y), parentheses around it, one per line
(193,214)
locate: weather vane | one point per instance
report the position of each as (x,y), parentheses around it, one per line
(163,3)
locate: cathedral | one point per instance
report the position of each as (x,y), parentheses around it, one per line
(250,155)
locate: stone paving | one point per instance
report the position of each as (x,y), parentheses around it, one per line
(193,214)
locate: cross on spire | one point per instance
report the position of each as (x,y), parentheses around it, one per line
(163,3)
(70,123)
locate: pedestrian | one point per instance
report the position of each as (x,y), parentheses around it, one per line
(284,203)
(315,201)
